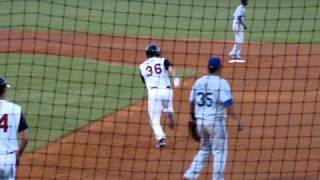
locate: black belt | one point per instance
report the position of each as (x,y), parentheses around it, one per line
(168,87)
(8,153)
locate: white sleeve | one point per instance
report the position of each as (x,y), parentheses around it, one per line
(237,13)
(225,91)
(243,12)
(141,69)
(191,97)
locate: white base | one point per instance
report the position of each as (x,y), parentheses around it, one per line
(237,61)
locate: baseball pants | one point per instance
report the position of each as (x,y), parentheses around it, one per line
(238,40)
(8,166)
(159,100)
(213,142)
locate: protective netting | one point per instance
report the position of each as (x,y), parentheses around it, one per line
(73,67)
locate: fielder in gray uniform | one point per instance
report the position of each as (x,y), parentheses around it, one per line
(238,27)
(211,100)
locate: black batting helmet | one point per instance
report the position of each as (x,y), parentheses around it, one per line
(153,50)
(3,85)
(244,2)
(3,82)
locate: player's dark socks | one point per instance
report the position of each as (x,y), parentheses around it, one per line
(171,120)
(161,143)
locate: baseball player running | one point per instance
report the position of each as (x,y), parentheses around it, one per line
(238,27)
(12,123)
(155,74)
(210,97)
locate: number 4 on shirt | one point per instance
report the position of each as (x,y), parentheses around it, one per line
(4,123)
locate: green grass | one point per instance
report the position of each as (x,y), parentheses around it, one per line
(61,94)
(269,20)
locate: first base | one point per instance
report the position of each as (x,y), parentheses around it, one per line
(237,61)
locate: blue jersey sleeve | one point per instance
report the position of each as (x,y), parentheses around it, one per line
(228,103)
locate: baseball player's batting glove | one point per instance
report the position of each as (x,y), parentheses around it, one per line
(176,82)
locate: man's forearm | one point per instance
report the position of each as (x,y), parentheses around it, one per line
(243,24)
(23,145)
(172,71)
(232,112)
(23,142)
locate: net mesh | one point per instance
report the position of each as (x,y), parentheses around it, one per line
(73,67)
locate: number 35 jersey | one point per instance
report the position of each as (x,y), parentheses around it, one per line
(10,115)
(211,95)
(155,72)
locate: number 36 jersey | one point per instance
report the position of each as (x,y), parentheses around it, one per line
(155,72)
(211,95)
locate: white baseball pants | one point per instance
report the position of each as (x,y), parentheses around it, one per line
(159,100)
(8,166)
(238,40)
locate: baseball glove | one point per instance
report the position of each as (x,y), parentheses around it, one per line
(193,131)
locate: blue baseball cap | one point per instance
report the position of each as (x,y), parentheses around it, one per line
(214,63)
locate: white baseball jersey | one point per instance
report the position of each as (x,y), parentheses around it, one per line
(155,73)
(240,11)
(210,95)
(10,114)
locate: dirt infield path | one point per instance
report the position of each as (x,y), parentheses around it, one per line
(278,95)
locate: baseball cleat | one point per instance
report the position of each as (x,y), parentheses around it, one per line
(232,56)
(238,57)
(161,143)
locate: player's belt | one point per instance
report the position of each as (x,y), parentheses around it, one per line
(168,87)
(8,153)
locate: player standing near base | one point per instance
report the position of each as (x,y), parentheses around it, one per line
(155,73)
(211,100)
(238,28)
(12,123)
